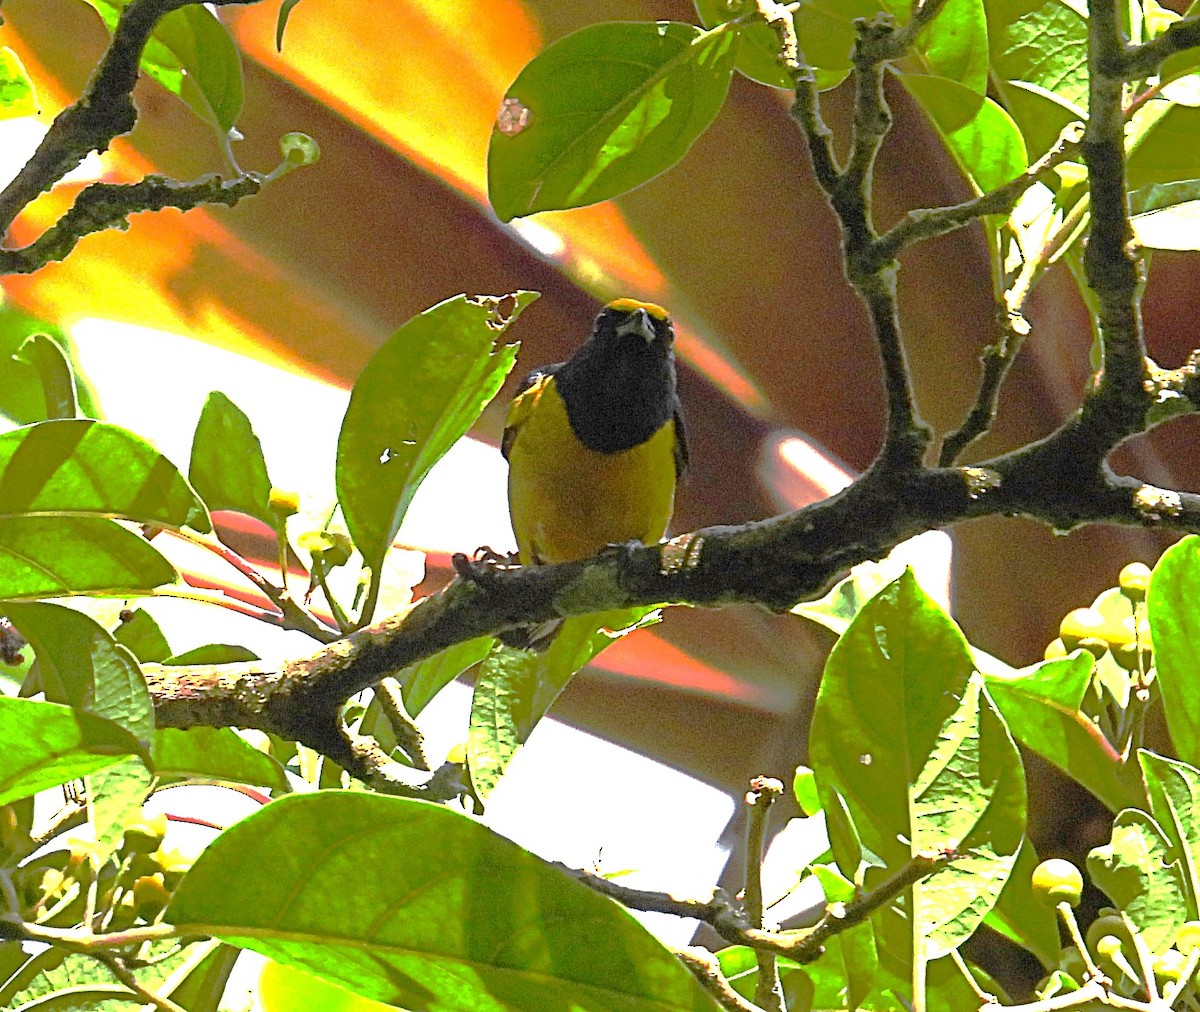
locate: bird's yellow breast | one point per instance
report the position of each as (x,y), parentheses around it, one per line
(567,501)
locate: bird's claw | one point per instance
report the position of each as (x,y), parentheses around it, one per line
(483,565)
(622,551)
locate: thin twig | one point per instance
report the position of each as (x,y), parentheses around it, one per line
(707,971)
(295,615)
(926,223)
(763,793)
(126,977)
(731,923)
(105,109)
(102,206)
(408,735)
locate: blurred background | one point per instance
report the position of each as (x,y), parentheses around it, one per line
(281,300)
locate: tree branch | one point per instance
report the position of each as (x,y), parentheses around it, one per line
(1112,269)
(707,970)
(763,793)
(1061,480)
(927,223)
(102,206)
(730,921)
(105,109)
(1144,60)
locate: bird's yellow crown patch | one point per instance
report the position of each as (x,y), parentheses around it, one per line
(631,305)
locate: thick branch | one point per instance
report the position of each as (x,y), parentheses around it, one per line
(1061,480)
(105,109)
(1110,265)
(108,205)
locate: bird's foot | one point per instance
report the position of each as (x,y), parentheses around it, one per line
(482,566)
(621,551)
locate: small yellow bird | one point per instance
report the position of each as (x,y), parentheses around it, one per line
(595,445)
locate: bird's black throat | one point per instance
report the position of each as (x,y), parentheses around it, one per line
(619,390)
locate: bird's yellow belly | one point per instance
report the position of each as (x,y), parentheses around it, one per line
(568,502)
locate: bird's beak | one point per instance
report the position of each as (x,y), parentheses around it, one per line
(639,323)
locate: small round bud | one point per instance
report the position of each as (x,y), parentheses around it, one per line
(1188,937)
(1086,628)
(1057,881)
(299,149)
(1108,924)
(1054,650)
(1134,581)
(144,834)
(284,503)
(150,894)
(1169,965)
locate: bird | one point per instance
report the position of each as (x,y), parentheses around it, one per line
(595,447)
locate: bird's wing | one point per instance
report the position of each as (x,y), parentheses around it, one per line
(681,447)
(523,403)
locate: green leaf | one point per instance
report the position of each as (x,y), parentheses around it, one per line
(1020,916)
(200,982)
(1039,42)
(825,29)
(1174,790)
(142,637)
(1175,226)
(955,45)
(1183,62)
(285,12)
(17,95)
(58,381)
(115,796)
(227,467)
(1166,148)
(81,467)
(1040,115)
(215,753)
(1041,704)
(73,982)
(609,108)
(971,796)
(982,138)
(464,919)
(515,688)
(1155,156)
(420,682)
(21,386)
(46,744)
(1143,878)
(1175,632)
(932,766)
(82,666)
(213,653)
(415,398)
(836,610)
(192,55)
(62,556)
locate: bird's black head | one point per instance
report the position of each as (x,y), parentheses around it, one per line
(619,387)
(626,320)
